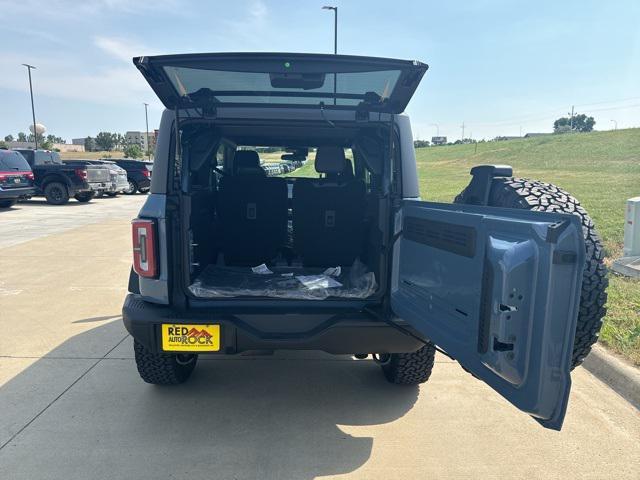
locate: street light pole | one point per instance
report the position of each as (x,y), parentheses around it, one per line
(146,119)
(335,26)
(33,110)
(615,124)
(335,47)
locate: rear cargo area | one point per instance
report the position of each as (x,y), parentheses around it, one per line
(255,236)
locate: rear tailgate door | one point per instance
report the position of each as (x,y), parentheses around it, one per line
(499,290)
(282,79)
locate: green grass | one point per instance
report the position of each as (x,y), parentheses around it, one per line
(601,169)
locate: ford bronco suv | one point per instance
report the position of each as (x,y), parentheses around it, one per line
(508,280)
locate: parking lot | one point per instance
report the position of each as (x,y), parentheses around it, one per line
(72,405)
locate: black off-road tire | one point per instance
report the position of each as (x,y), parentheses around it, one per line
(8,203)
(163,368)
(545,197)
(112,194)
(85,197)
(409,368)
(56,193)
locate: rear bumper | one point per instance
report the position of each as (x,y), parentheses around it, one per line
(348,333)
(20,192)
(99,186)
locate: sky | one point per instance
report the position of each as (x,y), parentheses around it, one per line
(501,67)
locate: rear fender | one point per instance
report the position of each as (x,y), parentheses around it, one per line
(156,290)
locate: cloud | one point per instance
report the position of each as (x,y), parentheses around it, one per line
(120,48)
(76,9)
(71,79)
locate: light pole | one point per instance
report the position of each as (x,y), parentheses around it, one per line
(146,119)
(335,48)
(33,110)
(335,26)
(615,124)
(437,128)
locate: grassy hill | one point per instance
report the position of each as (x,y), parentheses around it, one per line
(601,169)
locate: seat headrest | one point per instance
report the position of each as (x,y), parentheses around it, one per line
(330,159)
(246,162)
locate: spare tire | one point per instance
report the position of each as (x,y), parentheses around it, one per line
(545,197)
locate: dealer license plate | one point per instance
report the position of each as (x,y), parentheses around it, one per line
(190,338)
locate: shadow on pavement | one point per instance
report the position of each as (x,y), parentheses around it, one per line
(237,417)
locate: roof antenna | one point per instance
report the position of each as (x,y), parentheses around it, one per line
(324,117)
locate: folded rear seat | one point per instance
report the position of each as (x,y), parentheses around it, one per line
(328,213)
(252,212)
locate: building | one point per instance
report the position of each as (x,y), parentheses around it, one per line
(438,140)
(140,139)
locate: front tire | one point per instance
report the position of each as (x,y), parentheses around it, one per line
(56,193)
(163,368)
(85,197)
(408,368)
(539,196)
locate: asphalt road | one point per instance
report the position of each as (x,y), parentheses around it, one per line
(72,405)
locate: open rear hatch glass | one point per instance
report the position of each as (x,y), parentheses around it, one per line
(282,79)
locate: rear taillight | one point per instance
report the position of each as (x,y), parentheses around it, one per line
(5,175)
(146,173)
(145,258)
(82,173)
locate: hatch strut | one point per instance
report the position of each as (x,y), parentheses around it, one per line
(324,117)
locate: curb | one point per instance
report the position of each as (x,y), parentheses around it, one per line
(617,374)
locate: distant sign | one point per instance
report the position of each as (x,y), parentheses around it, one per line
(438,140)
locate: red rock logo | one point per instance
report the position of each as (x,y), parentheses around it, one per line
(193,336)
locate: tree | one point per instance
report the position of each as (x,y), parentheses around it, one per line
(40,138)
(55,139)
(3,145)
(104,141)
(89,144)
(22,137)
(132,151)
(420,143)
(8,138)
(581,123)
(119,141)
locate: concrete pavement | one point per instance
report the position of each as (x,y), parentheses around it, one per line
(72,405)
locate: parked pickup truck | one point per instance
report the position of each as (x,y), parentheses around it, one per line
(104,180)
(58,181)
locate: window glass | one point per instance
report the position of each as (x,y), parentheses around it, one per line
(13,161)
